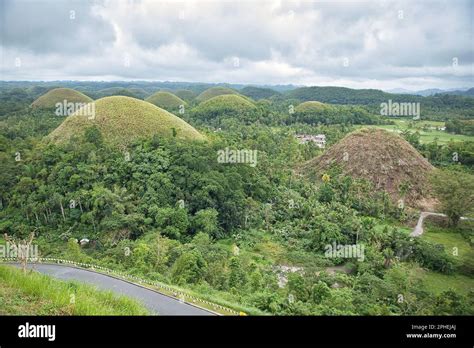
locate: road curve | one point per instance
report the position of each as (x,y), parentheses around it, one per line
(155,302)
(418,230)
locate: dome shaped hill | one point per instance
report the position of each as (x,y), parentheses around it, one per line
(118,91)
(313,106)
(214,92)
(385,159)
(121,120)
(218,110)
(223,104)
(139,92)
(317,112)
(185,94)
(166,100)
(59,95)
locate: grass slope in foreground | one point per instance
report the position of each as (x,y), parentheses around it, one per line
(37,294)
(121,120)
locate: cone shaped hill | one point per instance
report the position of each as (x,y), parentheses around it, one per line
(214,92)
(166,100)
(385,159)
(121,120)
(185,94)
(225,107)
(133,92)
(59,95)
(227,102)
(313,106)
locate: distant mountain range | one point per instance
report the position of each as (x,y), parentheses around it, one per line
(465,91)
(327,94)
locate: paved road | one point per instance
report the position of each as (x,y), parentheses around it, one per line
(153,301)
(418,230)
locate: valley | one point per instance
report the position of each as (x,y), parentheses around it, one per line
(219,198)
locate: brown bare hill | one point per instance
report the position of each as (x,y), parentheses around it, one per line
(385,159)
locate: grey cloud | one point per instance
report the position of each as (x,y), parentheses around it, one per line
(275,41)
(52,26)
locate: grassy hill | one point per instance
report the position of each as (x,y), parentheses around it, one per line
(222,105)
(313,106)
(121,120)
(36,294)
(224,110)
(139,92)
(115,91)
(185,94)
(166,100)
(214,92)
(58,95)
(386,160)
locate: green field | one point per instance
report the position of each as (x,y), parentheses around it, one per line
(438,282)
(456,246)
(427,135)
(460,252)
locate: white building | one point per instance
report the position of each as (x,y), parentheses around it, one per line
(319,140)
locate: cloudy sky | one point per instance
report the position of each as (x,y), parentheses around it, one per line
(375,44)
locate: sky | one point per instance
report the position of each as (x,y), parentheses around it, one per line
(381,44)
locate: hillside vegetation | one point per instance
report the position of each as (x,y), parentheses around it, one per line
(314,112)
(257,93)
(439,106)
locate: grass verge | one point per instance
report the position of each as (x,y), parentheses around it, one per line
(37,294)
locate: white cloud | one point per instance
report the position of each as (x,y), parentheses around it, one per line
(300,42)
